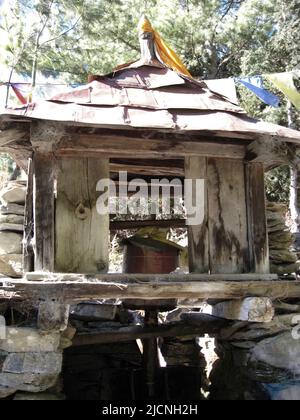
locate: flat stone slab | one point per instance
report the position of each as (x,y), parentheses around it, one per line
(28,382)
(40,363)
(21,340)
(13,193)
(11,227)
(94,312)
(15,209)
(12,218)
(10,243)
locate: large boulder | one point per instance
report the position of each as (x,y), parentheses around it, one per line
(282,351)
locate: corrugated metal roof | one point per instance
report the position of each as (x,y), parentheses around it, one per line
(151,96)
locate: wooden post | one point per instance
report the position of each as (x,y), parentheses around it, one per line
(44,138)
(257,221)
(196,168)
(228,239)
(150,354)
(82,235)
(28,254)
(44,210)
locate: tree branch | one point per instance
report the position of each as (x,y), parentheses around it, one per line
(63,33)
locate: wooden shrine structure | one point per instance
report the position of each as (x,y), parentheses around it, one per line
(146,119)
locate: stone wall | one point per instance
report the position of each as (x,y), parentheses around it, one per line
(283,257)
(259,361)
(12,198)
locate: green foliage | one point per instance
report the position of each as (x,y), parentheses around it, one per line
(215,38)
(277,182)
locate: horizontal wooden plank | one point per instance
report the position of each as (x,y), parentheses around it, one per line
(136,224)
(209,325)
(94,290)
(146,170)
(147,278)
(134,147)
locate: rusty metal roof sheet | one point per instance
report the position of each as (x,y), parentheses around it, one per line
(151,97)
(173,97)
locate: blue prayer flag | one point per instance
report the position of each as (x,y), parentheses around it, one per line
(256,85)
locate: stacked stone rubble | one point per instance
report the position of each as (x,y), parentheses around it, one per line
(259,361)
(12,198)
(283,259)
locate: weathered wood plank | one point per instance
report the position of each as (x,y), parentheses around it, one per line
(198,236)
(68,292)
(227,217)
(133,224)
(146,170)
(122,146)
(82,234)
(148,278)
(257,222)
(209,325)
(12,135)
(44,210)
(28,254)
(271,152)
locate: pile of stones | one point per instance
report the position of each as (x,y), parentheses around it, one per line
(283,259)
(12,198)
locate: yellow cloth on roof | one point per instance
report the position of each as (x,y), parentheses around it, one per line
(166,54)
(285,83)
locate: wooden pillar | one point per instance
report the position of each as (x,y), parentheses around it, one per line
(196,168)
(220,244)
(28,253)
(44,138)
(82,235)
(257,221)
(44,210)
(228,236)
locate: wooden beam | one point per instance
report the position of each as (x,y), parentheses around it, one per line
(148,278)
(270,152)
(44,210)
(227,217)
(140,169)
(209,325)
(44,138)
(12,135)
(196,169)
(28,253)
(68,292)
(147,148)
(257,221)
(136,224)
